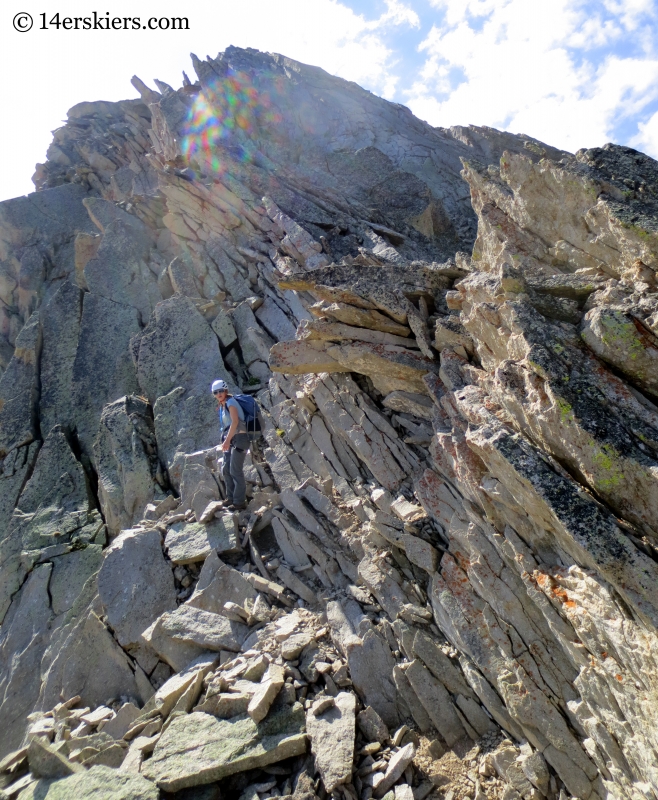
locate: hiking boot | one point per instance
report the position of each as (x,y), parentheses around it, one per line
(236,507)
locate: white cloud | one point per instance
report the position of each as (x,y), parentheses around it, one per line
(647,136)
(546,68)
(396,14)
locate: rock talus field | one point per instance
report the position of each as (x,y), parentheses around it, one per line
(445,582)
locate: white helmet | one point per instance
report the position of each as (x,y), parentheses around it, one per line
(219,386)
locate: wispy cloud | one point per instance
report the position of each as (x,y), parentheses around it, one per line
(570,72)
(352,46)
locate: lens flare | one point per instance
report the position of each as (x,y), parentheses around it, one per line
(230,106)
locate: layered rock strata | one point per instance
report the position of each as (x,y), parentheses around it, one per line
(451,531)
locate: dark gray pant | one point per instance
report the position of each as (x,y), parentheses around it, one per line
(233,469)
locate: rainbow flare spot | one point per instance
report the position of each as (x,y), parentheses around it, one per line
(230,106)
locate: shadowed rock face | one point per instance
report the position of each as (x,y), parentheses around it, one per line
(453,338)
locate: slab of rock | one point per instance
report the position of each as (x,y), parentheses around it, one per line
(122,722)
(111,756)
(382,584)
(193,541)
(321,705)
(391,361)
(396,767)
(46,482)
(475,716)
(198,485)
(360,317)
(440,665)
(105,325)
(269,587)
(94,784)
(271,684)
(12,759)
(97,715)
(163,507)
(184,424)
(617,338)
(219,584)
(209,510)
(195,627)
(135,584)
(358,429)
(47,762)
(382,499)
(198,748)
(506,761)
(420,405)
(293,646)
(254,342)
(409,699)
(536,771)
(292,551)
(406,511)
(172,690)
(297,241)
(301,357)
(178,348)
(337,332)
(60,324)
(332,735)
(420,552)
(436,700)
(84,658)
(122,456)
(19,389)
(449,332)
(371,665)
(256,668)
(178,654)
(275,322)
(287,625)
(132,763)
(297,585)
(372,726)
(224,328)
(145,744)
(226,704)
(25,634)
(70,572)
(119,270)
(436,497)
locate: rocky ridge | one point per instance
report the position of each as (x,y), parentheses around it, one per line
(444,583)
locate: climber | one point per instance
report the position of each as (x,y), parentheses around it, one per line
(235,443)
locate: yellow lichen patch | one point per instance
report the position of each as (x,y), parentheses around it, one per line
(621,332)
(536,368)
(606,461)
(566,410)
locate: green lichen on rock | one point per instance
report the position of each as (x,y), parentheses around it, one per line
(198,748)
(98,783)
(620,331)
(618,339)
(611,474)
(566,411)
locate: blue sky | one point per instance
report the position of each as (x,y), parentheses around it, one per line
(572,73)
